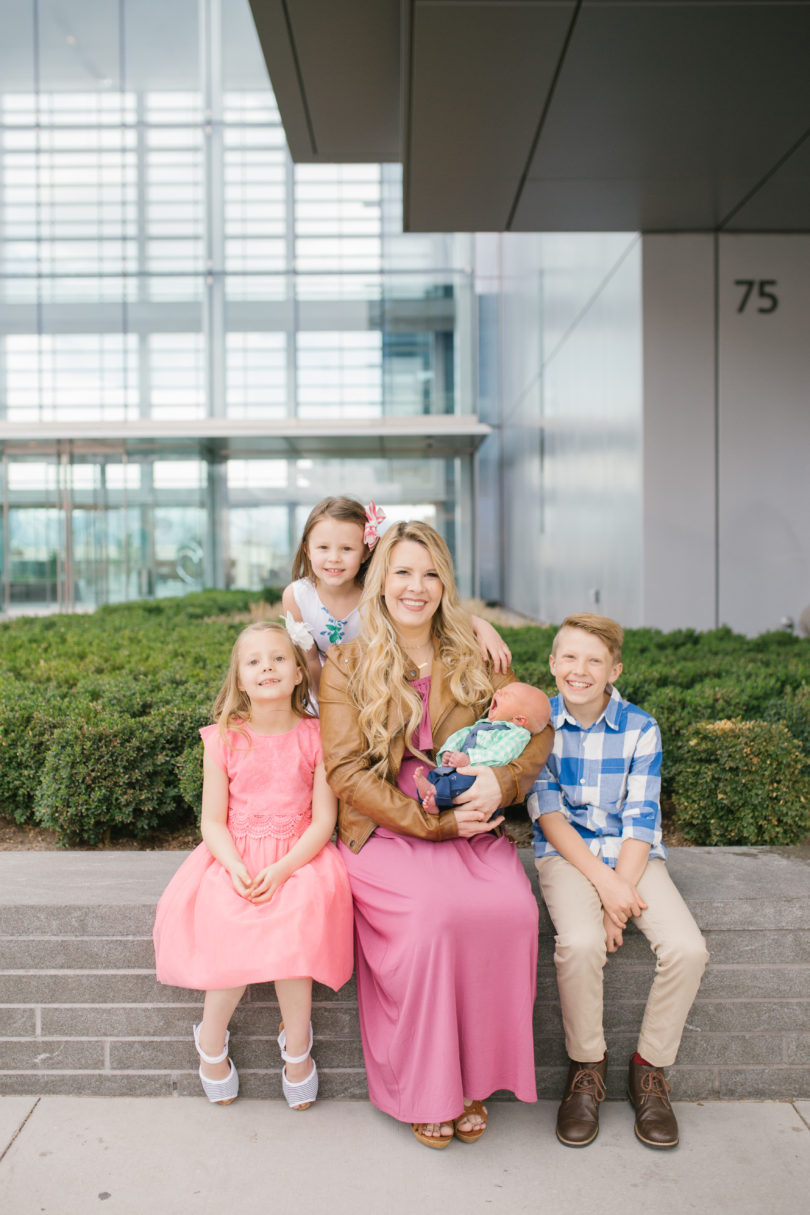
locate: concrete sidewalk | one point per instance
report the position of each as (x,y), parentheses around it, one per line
(68,1155)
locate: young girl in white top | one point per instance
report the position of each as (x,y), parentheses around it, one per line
(265,895)
(328,571)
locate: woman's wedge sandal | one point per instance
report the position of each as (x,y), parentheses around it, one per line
(220,1092)
(432,1141)
(302,1093)
(476,1131)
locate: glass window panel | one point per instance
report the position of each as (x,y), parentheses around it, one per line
(158,138)
(239,287)
(339,374)
(163,107)
(31,475)
(257,474)
(84,476)
(35,543)
(122,476)
(162,49)
(238,108)
(259,546)
(256,371)
(72,377)
(244,255)
(179,549)
(79,47)
(176,374)
(103,201)
(243,65)
(174,287)
(178,474)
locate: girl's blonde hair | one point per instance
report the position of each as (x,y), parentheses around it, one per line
(232,705)
(345,510)
(380,679)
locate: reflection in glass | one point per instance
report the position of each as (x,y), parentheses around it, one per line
(162,259)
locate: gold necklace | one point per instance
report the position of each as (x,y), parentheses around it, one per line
(420,665)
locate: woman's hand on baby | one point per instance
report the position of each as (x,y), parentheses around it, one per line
(242,881)
(267,883)
(473,822)
(484,793)
(475,807)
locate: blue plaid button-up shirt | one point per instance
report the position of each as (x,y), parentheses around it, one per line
(606,780)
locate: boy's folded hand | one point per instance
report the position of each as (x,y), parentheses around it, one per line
(620,898)
(613,934)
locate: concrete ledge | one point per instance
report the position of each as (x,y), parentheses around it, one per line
(81,1012)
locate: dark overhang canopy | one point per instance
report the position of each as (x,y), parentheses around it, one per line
(556,115)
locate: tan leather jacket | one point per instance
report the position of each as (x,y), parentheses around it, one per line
(365,801)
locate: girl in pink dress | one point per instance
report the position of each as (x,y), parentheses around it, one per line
(265,895)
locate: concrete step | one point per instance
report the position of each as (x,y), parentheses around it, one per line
(81,1011)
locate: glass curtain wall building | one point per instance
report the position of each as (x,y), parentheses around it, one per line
(199,340)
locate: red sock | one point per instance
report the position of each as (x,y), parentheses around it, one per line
(641,1062)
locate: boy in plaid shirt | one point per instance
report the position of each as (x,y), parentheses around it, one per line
(517,711)
(601,862)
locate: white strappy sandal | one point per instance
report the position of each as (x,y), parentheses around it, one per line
(300,1094)
(220,1092)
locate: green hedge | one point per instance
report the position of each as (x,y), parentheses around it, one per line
(115,774)
(743,782)
(685,677)
(99,714)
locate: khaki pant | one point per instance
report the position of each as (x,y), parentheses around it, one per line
(581,952)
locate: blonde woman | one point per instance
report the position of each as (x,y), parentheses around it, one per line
(445,919)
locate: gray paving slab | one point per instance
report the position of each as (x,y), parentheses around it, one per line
(176,1156)
(67,878)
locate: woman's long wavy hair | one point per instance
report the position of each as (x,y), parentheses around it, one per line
(232,706)
(379,685)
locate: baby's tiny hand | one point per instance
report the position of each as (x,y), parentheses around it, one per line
(455,759)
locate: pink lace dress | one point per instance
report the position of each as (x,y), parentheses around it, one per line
(206,935)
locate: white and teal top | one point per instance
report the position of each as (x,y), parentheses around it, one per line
(325,628)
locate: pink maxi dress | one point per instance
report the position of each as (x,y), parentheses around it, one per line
(206,935)
(446,952)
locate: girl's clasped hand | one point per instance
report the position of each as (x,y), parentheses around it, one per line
(258,889)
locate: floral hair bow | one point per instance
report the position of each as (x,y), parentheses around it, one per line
(374,517)
(298,632)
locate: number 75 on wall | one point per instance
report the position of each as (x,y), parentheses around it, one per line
(767,299)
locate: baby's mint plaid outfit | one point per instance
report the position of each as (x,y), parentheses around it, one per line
(491,743)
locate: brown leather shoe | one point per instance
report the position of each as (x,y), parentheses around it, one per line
(648,1091)
(578,1115)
